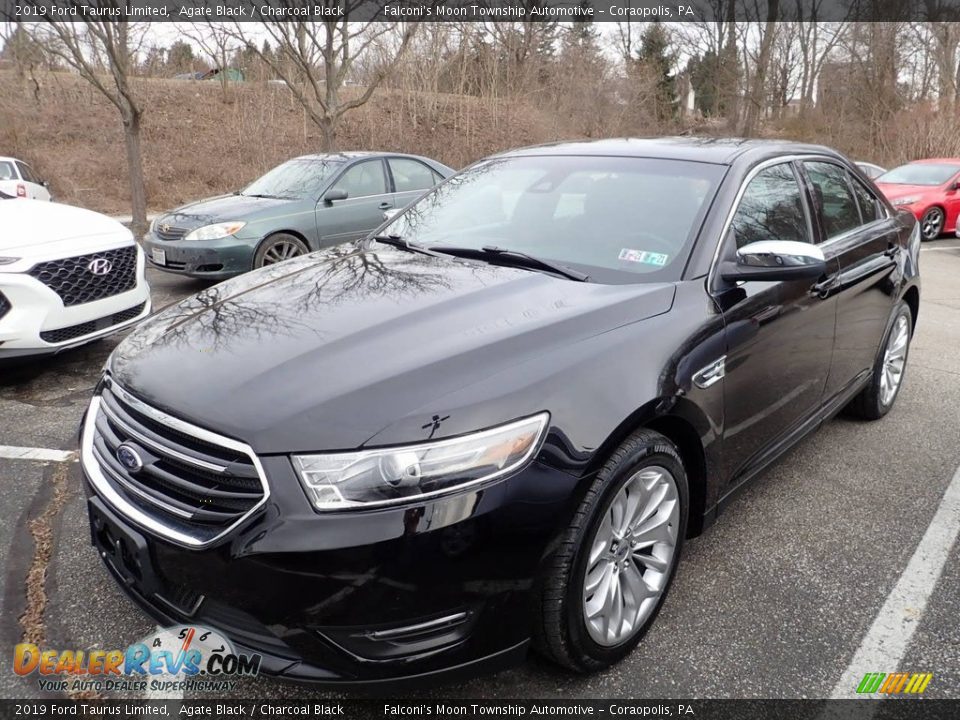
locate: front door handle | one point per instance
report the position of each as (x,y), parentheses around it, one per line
(385,205)
(892,250)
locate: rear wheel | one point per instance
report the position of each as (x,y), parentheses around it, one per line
(277,248)
(876,399)
(605,583)
(931,224)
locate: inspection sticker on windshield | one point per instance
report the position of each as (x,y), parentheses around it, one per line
(642,256)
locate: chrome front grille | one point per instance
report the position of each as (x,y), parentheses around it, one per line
(169,233)
(177,479)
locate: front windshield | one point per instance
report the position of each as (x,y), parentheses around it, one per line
(617,219)
(920,174)
(295,179)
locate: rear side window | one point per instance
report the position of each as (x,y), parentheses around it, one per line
(834,198)
(870,208)
(26,173)
(771,208)
(411,175)
(363,179)
(7,172)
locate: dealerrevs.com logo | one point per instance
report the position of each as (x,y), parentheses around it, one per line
(183,657)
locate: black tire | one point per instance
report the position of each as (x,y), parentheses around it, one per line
(931,224)
(275,245)
(869,404)
(560,631)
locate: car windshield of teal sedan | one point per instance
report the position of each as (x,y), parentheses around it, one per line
(294,179)
(616,219)
(919,174)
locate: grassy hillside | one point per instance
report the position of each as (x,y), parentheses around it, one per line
(199,141)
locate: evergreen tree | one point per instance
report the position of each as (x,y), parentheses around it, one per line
(655,55)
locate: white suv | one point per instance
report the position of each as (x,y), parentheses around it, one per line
(67,276)
(19,180)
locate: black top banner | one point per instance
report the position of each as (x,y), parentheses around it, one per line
(477,10)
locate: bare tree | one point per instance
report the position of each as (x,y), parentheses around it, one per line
(315,59)
(103,52)
(756,99)
(216,40)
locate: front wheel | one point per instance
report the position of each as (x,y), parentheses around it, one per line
(606,581)
(876,399)
(277,248)
(931,224)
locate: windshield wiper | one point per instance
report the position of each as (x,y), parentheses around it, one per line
(269,197)
(516,258)
(400,242)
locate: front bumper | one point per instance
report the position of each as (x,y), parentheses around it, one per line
(212,259)
(441,589)
(37,323)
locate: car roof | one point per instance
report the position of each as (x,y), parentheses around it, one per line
(347,155)
(722,151)
(935,161)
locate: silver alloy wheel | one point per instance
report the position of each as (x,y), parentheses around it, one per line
(894,358)
(932,223)
(281,250)
(631,553)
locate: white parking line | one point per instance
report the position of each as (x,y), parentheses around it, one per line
(11,452)
(885,644)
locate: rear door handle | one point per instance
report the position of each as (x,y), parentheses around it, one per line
(892,250)
(385,205)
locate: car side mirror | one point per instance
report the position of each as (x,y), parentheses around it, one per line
(333,195)
(45,183)
(775,260)
(955,185)
(390,213)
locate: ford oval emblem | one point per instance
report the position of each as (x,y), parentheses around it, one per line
(129,458)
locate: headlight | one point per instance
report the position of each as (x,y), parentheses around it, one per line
(372,478)
(8,260)
(212,232)
(905,200)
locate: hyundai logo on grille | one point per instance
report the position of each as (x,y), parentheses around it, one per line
(100,266)
(165,228)
(129,458)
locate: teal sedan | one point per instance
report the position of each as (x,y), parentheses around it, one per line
(305,204)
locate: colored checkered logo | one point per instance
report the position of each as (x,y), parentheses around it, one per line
(894,683)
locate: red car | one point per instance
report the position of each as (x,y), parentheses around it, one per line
(930,189)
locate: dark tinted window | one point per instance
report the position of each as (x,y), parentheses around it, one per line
(411,175)
(771,208)
(834,197)
(26,173)
(618,219)
(363,179)
(869,205)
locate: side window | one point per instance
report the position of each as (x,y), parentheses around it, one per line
(7,171)
(363,179)
(870,208)
(411,175)
(26,173)
(771,208)
(834,197)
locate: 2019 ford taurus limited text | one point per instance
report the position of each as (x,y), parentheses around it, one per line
(494,425)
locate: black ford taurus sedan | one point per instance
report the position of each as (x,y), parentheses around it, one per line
(492,426)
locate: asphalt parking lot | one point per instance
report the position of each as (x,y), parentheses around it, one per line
(811,572)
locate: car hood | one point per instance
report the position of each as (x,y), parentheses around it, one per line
(222,208)
(322,352)
(29,224)
(894,192)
